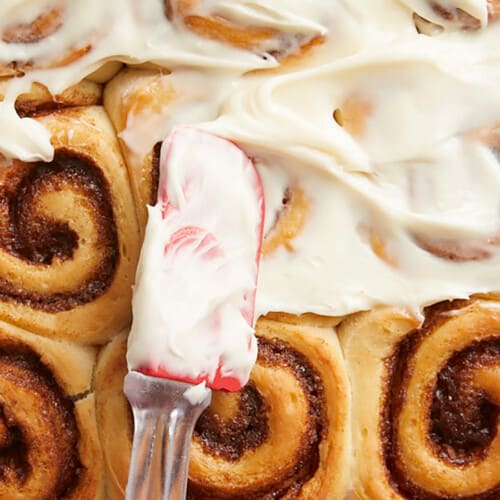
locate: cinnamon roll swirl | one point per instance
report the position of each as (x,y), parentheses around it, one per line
(29,30)
(212,23)
(445,14)
(286,434)
(426,401)
(69,239)
(49,446)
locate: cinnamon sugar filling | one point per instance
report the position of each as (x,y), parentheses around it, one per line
(462,420)
(246,427)
(246,430)
(37,239)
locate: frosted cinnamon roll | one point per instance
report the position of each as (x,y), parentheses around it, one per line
(436,15)
(69,239)
(285,434)
(271,32)
(48,437)
(49,34)
(426,401)
(467,249)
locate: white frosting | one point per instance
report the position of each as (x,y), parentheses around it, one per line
(475,8)
(194,294)
(410,172)
(197,393)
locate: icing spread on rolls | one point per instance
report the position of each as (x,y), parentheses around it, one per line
(194,297)
(385,134)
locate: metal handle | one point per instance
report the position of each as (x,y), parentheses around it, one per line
(164,419)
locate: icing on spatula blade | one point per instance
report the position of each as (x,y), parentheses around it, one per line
(193,302)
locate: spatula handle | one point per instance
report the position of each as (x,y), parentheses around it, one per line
(164,419)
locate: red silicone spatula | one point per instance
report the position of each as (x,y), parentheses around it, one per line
(193,302)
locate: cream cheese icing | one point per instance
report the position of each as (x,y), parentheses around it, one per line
(193,301)
(407,166)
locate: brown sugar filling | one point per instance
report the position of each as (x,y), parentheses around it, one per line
(462,421)
(248,427)
(37,239)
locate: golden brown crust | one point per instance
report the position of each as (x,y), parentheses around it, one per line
(114,416)
(49,444)
(39,99)
(306,319)
(133,94)
(69,239)
(426,401)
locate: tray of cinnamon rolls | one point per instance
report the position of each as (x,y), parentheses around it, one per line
(375,129)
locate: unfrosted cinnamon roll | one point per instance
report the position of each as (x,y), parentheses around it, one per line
(284,435)
(426,401)
(114,416)
(48,437)
(69,239)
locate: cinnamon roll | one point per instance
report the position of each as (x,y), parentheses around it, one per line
(114,416)
(214,22)
(49,446)
(470,249)
(69,239)
(445,14)
(426,401)
(285,434)
(36,35)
